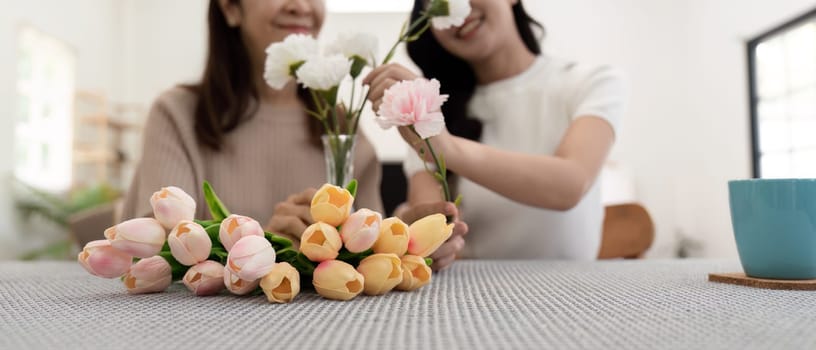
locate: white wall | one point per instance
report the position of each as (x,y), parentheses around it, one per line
(91,28)
(164,44)
(686,132)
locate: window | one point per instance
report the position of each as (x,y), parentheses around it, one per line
(782,77)
(42,129)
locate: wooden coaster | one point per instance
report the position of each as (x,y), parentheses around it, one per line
(741,279)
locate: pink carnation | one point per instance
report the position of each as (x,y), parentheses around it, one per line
(414,102)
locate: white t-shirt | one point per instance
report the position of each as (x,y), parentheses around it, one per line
(530,113)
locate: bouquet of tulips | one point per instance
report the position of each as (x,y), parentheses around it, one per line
(343,253)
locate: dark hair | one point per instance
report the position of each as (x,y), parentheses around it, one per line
(227,95)
(456,76)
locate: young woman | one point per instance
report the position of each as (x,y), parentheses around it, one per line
(254,144)
(527,134)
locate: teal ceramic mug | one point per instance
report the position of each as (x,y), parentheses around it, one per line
(774,223)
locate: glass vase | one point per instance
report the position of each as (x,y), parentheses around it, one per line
(338,154)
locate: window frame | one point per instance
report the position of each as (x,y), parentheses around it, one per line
(753,95)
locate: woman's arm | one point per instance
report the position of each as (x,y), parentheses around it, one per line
(556,181)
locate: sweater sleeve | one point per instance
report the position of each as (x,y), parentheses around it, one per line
(165,160)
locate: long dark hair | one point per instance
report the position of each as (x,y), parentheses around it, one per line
(227,95)
(456,76)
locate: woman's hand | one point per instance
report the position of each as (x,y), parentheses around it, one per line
(446,254)
(381,78)
(291,217)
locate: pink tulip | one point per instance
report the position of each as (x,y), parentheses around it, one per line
(142,237)
(235,227)
(189,243)
(205,278)
(148,276)
(101,259)
(413,102)
(361,230)
(251,258)
(238,286)
(171,205)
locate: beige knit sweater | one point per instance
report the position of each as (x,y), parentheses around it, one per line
(261,163)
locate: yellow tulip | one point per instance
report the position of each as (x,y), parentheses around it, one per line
(427,234)
(282,284)
(382,272)
(393,237)
(334,279)
(320,242)
(331,204)
(415,273)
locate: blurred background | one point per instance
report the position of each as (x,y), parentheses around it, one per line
(721,89)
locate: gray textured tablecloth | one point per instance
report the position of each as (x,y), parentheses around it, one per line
(473,305)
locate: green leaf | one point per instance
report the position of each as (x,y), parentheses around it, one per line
(438,8)
(353,259)
(428,261)
(206,223)
(330,96)
(218,211)
(439,177)
(278,242)
(286,255)
(294,67)
(178,270)
(357,65)
(218,254)
(304,265)
(458,200)
(352,187)
(213,231)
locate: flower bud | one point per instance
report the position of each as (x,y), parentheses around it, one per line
(393,237)
(427,234)
(251,258)
(189,243)
(236,285)
(331,204)
(171,205)
(361,230)
(282,284)
(101,259)
(334,279)
(235,227)
(142,237)
(415,273)
(320,242)
(205,278)
(382,272)
(149,275)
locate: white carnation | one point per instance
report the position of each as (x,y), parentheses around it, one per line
(359,44)
(458,10)
(323,72)
(281,56)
